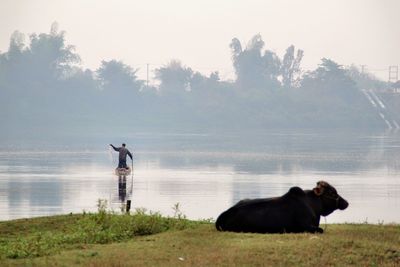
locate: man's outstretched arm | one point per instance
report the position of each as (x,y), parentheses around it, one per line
(115,148)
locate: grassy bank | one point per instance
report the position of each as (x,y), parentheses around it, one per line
(140,239)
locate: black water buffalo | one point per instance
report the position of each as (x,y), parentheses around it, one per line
(296,211)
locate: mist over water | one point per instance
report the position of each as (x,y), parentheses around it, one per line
(206,173)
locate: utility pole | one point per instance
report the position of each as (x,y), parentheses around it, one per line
(363,69)
(393,74)
(147,80)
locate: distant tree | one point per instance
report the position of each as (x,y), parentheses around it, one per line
(198,81)
(253,68)
(248,63)
(50,53)
(202,85)
(45,58)
(13,62)
(236,48)
(331,78)
(115,76)
(49,56)
(3,68)
(82,79)
(174,77)
(16,47)
(214,76)
(272,66)
(290,68)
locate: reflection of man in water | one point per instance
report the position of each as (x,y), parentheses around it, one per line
(123,151)
(122,188)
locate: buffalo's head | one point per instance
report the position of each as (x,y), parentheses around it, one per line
(330,199)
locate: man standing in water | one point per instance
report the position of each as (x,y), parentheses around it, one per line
(123,151)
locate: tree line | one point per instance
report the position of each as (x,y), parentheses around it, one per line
(43,87)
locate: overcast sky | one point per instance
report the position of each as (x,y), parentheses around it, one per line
(199,32)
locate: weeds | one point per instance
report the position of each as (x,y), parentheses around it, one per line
(177,211)
(91,228)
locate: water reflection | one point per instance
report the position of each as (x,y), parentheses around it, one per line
(122,188)
(206,174)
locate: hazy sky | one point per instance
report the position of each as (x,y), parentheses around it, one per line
(199,32)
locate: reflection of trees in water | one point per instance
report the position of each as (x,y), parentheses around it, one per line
(36,195)
(26,191)
(46,193)
(266,154)
(286,154)
(43,182)
(16,192)
(385,152)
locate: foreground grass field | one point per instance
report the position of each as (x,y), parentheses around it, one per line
(105,239)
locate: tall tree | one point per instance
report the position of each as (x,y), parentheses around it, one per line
(50,56)
(13,62)
(115,76)
(331,79)
(46,58)
(174,77)
(253,68)
(290,68)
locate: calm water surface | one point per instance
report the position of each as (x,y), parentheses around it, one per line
(204,173)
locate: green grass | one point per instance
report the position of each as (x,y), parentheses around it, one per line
(148,239)
(29,238)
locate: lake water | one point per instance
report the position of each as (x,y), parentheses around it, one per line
(204,173)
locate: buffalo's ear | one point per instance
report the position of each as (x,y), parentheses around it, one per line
(319,189)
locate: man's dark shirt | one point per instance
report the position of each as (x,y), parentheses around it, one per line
(122,152)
